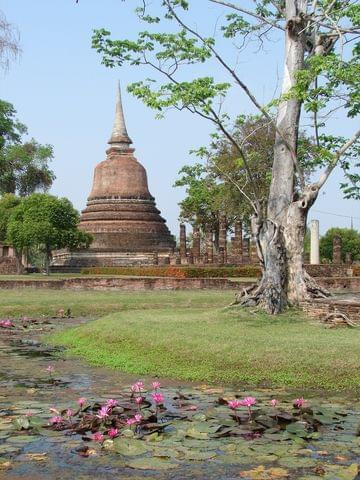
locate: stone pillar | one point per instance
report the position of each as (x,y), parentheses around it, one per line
(348,258)
(196,244)
(190,258)
(209,245)
(246,250)
(223,239)
(182,240)
(238,241)
(337,249)
(253,252)
(314,242)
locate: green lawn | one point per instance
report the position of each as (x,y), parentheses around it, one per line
(189,335)
(37,302)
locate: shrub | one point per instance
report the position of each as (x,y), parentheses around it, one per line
(178,271)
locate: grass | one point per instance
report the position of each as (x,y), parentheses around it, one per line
(35,302)
(188,335)
(221,346)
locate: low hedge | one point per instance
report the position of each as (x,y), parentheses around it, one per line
(177,271)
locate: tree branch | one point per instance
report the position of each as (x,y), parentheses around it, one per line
(336,159)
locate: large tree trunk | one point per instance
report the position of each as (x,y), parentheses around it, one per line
(280,238)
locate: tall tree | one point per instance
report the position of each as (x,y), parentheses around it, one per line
(24,166)
(9,42)
(7,204)
(48,223)
(320,75)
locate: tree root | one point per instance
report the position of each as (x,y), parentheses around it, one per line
(273,298)
(345,318)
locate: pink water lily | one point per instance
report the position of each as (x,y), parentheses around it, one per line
(131,421)
(138,387)
(70,412)
(111,403)
(81,402)
(248,401)
(234,404)
(56,420)
(103,412)
(139,400)
(156,385)
(138,417)
(29,414)
(158,398)
(113,432)
(299,402)
(274,402)
(6,323)
(98,437)
(50,369)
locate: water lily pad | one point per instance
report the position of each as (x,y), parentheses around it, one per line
(152,464)
(297,462)
(194,433)
(130,447)
(22,439)
(194,455)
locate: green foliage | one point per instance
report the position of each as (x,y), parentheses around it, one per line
(46,222)
(23,166)
(7,204)
(328,82)
(350,243)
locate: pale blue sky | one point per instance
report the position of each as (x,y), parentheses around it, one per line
(66,98)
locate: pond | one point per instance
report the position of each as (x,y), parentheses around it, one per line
(191,433)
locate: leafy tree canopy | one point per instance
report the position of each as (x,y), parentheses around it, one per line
(350,243)
(46,222)
(24,166)
(7,204)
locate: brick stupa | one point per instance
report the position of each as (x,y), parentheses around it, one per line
(121,213)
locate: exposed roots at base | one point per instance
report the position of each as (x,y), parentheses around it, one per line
(273,299)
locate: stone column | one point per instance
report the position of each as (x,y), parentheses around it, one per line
(253,252)
(246,250)
(182,240)
(238,241)
(337,249)
(223,239)
(314,242)
(209,245)
(196,244)
(348,258)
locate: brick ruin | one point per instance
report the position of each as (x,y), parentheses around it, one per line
(120,214)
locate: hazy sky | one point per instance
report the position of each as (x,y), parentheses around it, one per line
(67,98)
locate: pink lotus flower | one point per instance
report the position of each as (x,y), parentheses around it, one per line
(138,387)
(234,404)
(6,323)
(299,402)
(131,421)
(138,418)
(113,432)
(29,414)
(248,401)
(139,400)
(56,420)
(158,398)
(103,412)
(156,385)
(111,403)
(81,402)
(274,402)
(98,437)
(50,369)
(70,412)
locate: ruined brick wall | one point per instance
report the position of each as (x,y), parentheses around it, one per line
(320,309)
(7,265)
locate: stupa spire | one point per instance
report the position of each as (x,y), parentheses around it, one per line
(119,136)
